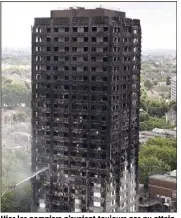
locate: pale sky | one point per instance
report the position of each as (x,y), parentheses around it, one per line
(158,20)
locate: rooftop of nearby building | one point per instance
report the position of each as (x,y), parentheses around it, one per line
(173,173)
(150,203)
(170,177)
(144,136)
(153,94)
(164,131)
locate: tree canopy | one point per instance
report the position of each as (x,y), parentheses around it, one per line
(151,165)
(20,116)
(15,168)
(148,84)
(154,122)
(168,80)
(14,94)
(173,105)
(157,156)
(17,200)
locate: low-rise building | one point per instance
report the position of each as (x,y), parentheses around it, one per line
(171,117)
(174,89)
(165,132)
(8,117)
(144,136)
(162,83)
(164,188)
(146,204)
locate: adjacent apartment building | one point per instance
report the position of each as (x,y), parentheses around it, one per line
(85,111)
(174,88)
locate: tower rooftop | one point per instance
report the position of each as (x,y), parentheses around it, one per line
(81,12)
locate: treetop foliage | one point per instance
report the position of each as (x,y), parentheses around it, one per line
(158,155)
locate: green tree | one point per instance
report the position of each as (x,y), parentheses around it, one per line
(155,82)
(148,84)
(144,116)
(7,81)
(168,80)
(15,166)
(158,155)
(173,105)
(143,100)
(18,200)
(14,94)
(20,117)
(162,142)
(149,166)
(143,105)
(143,93)
(154,122)
(157,108)
(167,154)
(143,126)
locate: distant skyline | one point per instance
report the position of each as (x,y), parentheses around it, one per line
(158,20)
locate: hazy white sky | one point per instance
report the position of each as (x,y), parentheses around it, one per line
(158,20)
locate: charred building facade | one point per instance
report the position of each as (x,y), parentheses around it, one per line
(85,111)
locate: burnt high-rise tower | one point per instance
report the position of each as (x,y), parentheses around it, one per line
(85,110)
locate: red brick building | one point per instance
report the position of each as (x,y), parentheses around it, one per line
(164,188)
(162,185)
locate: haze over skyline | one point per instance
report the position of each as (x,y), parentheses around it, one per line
(158,20)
